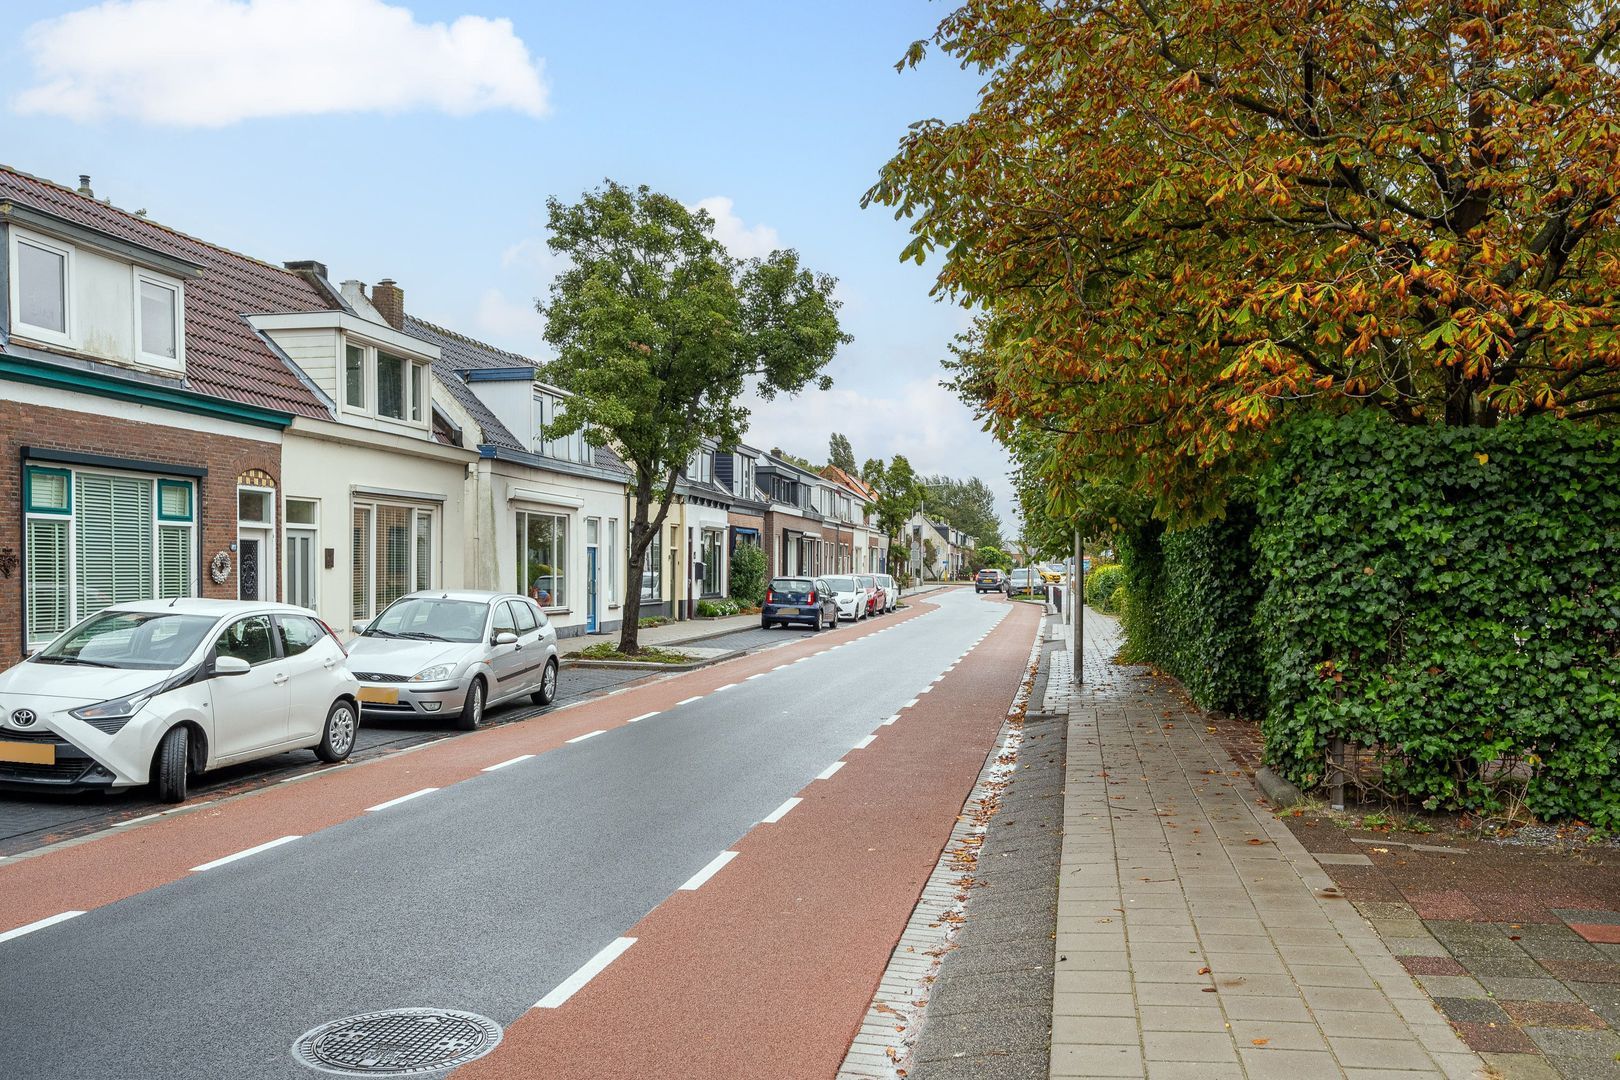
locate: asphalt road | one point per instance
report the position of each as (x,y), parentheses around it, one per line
(483,895)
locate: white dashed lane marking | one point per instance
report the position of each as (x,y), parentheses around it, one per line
(402,798)
(588,735)
(41,924)
(591,968)
(826,774)
(696,881)
(244,854)
(508,761)
(780,812)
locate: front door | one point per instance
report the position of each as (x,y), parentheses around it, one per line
(254,569)
(592,537)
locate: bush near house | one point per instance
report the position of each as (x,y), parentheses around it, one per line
(1102,585)
(748,575)
(717,609)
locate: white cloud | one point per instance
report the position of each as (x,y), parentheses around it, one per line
(510,324)
(743,241)
(208,63)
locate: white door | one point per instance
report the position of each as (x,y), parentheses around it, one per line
(250,711)
(301,573)
(310,655)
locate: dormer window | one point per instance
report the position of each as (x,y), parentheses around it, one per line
(385,384)
(158,333)
(41,288)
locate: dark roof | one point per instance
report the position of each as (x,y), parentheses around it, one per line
(225,357)
(459,353)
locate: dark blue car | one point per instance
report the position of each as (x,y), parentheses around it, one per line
(798,600)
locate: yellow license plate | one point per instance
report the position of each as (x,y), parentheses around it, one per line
(30,753)
(374,695)
(787,611)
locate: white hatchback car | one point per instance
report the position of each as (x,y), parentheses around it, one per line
(849,596)
(160,690)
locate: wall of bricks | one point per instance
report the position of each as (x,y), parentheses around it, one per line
(223,456)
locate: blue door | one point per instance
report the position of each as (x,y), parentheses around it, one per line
(590,589)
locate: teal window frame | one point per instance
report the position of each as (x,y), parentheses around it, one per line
(29,472)
(191,501)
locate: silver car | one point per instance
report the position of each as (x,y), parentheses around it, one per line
(436,653)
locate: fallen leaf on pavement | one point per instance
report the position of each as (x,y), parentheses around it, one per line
(1259,1042)
(1203,971)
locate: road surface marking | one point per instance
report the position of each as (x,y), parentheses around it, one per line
(909,704)
(925,689)
(244,854)
(137,821)
(402,798)
(892,719)
(508,761)
(715,864)
(778,667)
(588,735)
(51,920)
(688,701)
(751,678)
(937,678)
(728,686)
(826,774)
(780,812)
(591,969)
(643,716)
(802,659)
(864,743)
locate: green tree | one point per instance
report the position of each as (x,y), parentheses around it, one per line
(989,558)
(658,331)
(899,494)
(930,554)
(1185,223)
(748,574)
(793,459)
(841,454)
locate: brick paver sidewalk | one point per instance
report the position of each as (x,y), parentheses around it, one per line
(1196,936)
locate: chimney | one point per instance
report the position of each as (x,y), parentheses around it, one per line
(84,186)
(306,266)
(389,300)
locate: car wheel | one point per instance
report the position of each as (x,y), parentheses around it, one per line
(337,740)
(472,710)
(548,686)
(171,766)
(815,625)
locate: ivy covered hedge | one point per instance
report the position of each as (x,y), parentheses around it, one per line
(1189,604)
(1450,596)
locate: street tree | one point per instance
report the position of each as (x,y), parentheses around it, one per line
(968,505)
(1184,223)
(841,454)
(899,494)
(658,332)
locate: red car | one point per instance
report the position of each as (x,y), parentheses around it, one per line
(876,601)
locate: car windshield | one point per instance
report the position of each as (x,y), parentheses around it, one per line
(431,618)
(841,584)
(140,640)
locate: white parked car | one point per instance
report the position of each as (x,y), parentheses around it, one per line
(850,597)
(891,591)
(454,653)
(159,691)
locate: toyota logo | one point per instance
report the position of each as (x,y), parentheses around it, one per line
(23,717)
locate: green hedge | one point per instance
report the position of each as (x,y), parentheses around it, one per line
(748,575)
(1189,600)
(1450,596)
(1102,585)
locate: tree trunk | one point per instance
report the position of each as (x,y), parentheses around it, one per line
(642,532)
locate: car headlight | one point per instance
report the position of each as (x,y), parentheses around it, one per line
(110,716)
(436,673)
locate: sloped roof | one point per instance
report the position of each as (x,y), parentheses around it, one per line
(458,353)
(851,481)
(225,357)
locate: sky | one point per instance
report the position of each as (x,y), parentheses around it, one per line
(419,140)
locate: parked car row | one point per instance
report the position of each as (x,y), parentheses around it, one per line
(819,601)
(161,691)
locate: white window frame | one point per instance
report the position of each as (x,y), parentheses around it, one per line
(70,520)
(563,526)
(66,337)
(139,276)
(418,406)
(435,559)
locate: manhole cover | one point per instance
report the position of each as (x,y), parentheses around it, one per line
(398,1042)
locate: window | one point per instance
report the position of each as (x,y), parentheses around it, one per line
(572,447)
(391,391)
(298,634)
(253,506)
(43,270)
(505,621)
(746,487)
(393,554)
(526,622)
(96,539)
(711,562)
(247,639)
(542,547)
(700,466)
(417,396)
(652,570)
(612,561)
(354,376)
(157,320)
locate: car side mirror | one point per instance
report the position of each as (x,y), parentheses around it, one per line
(506,637)
(231,665)
(359,627)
